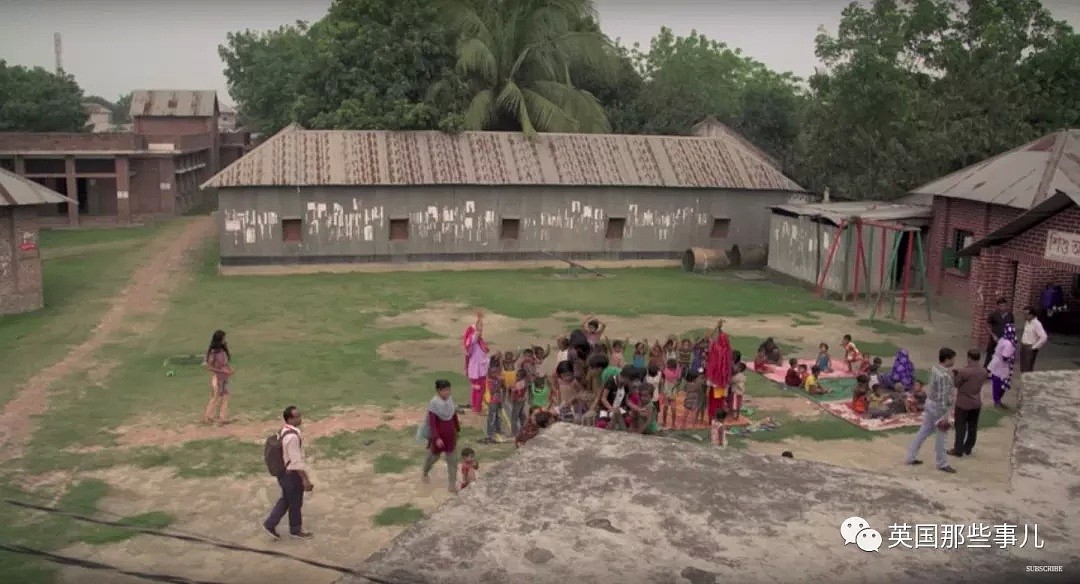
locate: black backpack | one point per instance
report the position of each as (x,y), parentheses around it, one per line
(274,452)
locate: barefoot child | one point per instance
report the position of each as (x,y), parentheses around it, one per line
(640,350)
(469,466)
(738,389)
(518,400)
(672,375)
(811,385)
(852,356)
(496,396)
(685,355)
(594,330)
(694,397)
(860,396)
(655,378)
(761,362)
(717,430)
(618,353)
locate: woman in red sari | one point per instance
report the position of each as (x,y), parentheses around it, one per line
(718,369)
(476,361)
(443,427)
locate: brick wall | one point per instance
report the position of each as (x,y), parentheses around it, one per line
(173,125)
(993,275)
(20,261)
(23,141)
(949,216)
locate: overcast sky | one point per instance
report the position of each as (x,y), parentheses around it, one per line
(114,46)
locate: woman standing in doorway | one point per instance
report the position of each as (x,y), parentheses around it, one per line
(476,361)
(217,361)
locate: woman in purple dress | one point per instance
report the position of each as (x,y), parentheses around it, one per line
(476,361)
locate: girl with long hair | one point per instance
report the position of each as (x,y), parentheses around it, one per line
(217,362)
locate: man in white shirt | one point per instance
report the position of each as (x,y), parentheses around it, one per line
(293,480)
(1033,339)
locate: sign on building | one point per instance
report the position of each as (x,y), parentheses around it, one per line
(1063,247)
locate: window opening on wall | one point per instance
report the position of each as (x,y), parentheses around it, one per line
(952,258)
(720,227)
(615,227)
(510,229)
(399,229)
(292,230)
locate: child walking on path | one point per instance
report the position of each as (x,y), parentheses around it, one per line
(443,427)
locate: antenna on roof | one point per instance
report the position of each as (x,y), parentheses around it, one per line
(59,51)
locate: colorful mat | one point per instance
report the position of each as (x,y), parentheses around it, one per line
(776,373)
(842,410)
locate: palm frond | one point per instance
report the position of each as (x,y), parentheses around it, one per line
(475,57)
(467,18)
(578,104)
(481,110)
(549,116)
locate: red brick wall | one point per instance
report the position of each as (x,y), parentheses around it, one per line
(20,261)
(14,141)
(172,125)
(951,215)
(992,277)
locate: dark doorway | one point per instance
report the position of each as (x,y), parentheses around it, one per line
(901,259)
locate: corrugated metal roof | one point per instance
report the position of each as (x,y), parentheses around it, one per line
(869,210)
(16,191)
(173,102)
(1058,202)
(711,127)
(1020,178)
(298,157)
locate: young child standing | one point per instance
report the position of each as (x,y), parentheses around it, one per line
(656,355)
(563,344)
(593,329)
(496,395)
(685,355)
(639,355)
(694,398)
(852,356)
(618,353)
(738,389)
(655,378)
(518,400)
(671,374)
(469,466)
(540,393)
(717,430)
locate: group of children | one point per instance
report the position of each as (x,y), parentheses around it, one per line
(594,382)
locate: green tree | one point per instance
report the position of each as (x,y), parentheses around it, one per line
(265,73)
(687,79)
(122,109)
(38,100)
(521,60)
(373,64)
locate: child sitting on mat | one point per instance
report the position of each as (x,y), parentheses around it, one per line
(824,361)
(811,385)
(761,362)
(793,378)
(860,402)
(878,403)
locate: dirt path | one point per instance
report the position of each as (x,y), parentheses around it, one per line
(151,432)
(144,296)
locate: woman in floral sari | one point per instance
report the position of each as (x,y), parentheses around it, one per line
(903,372)
(1001,364)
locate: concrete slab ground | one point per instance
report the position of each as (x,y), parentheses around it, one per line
(583,505)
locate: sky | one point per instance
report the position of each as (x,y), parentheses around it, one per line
(114,46)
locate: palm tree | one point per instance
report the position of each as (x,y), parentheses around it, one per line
(519,58)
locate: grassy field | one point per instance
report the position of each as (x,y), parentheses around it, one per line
(313,340)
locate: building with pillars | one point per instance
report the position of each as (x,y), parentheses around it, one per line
(974,205)
(20,258)
(117,177)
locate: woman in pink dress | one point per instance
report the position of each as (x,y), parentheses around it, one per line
(442,429)
(718,369)
(476,361)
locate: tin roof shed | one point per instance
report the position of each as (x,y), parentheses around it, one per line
(174,102)
(17,191)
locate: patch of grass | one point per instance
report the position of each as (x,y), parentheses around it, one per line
(877,349)
(888,327)
(528,330)
(392,464)
(400,515)
(108,534)
(77,291)
(52,532)
(759,386)
(799,322)
(376,441)
(65,238)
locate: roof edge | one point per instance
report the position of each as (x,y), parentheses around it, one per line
(1027,220)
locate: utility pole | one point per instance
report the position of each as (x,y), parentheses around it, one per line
(58,49)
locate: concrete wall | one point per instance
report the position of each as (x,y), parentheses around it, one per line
(20,261)
(799,248)
(347,224)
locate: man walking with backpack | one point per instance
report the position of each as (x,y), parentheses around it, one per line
(284,453)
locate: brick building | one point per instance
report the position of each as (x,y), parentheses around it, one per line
(982,199)
(115,177)
(1042,245)
(20,258)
